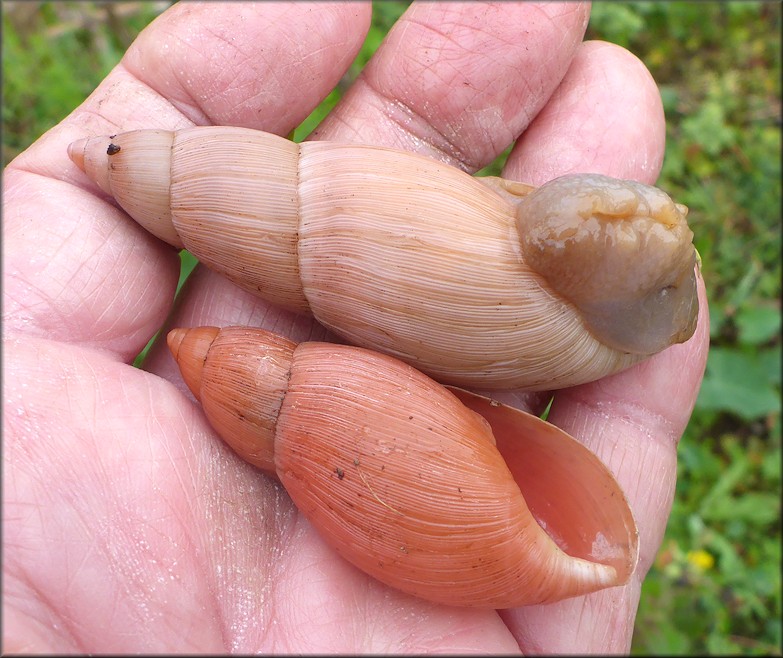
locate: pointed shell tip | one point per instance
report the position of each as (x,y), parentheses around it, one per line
(89,154)
(76,152)
(189,347)
(174,340)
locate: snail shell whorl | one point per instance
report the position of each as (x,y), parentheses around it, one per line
(135,168)
(228,195)
(240,382)
(242,186)
(402,479)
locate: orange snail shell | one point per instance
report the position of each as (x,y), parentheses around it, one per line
(415,484)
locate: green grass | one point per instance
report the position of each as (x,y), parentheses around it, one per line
(715,585)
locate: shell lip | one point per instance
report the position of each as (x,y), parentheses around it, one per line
(592,519)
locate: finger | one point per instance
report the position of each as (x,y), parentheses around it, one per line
(631,420)
(460,81)
(456,69)
(207,299)
(78,269)
(606,117)
(262,65)
(502,94)
(187,549)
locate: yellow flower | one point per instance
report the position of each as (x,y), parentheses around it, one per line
(701,559)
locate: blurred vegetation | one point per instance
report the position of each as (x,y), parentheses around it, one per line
(715,586)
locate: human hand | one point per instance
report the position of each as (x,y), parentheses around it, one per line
(129,526)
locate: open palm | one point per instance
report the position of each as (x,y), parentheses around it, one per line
(128,525)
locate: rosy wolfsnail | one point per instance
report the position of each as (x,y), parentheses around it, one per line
(479,282)
(417,485)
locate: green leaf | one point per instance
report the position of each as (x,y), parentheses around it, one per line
(708,128)
(739,383)
(617,22)
(718,645)
(757,508)
(721,490)
(770,466)
(669,641)
(670,98)
(718,319)
(729,560)
(187,262)
(758,324)
(771,361)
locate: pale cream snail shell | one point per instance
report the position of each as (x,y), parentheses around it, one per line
(479,282)
(417,485)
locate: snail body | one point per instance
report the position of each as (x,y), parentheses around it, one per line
(478,282)
(417,485)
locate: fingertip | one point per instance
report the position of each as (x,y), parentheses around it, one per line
(458,81)
(606,117)
(260,65)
